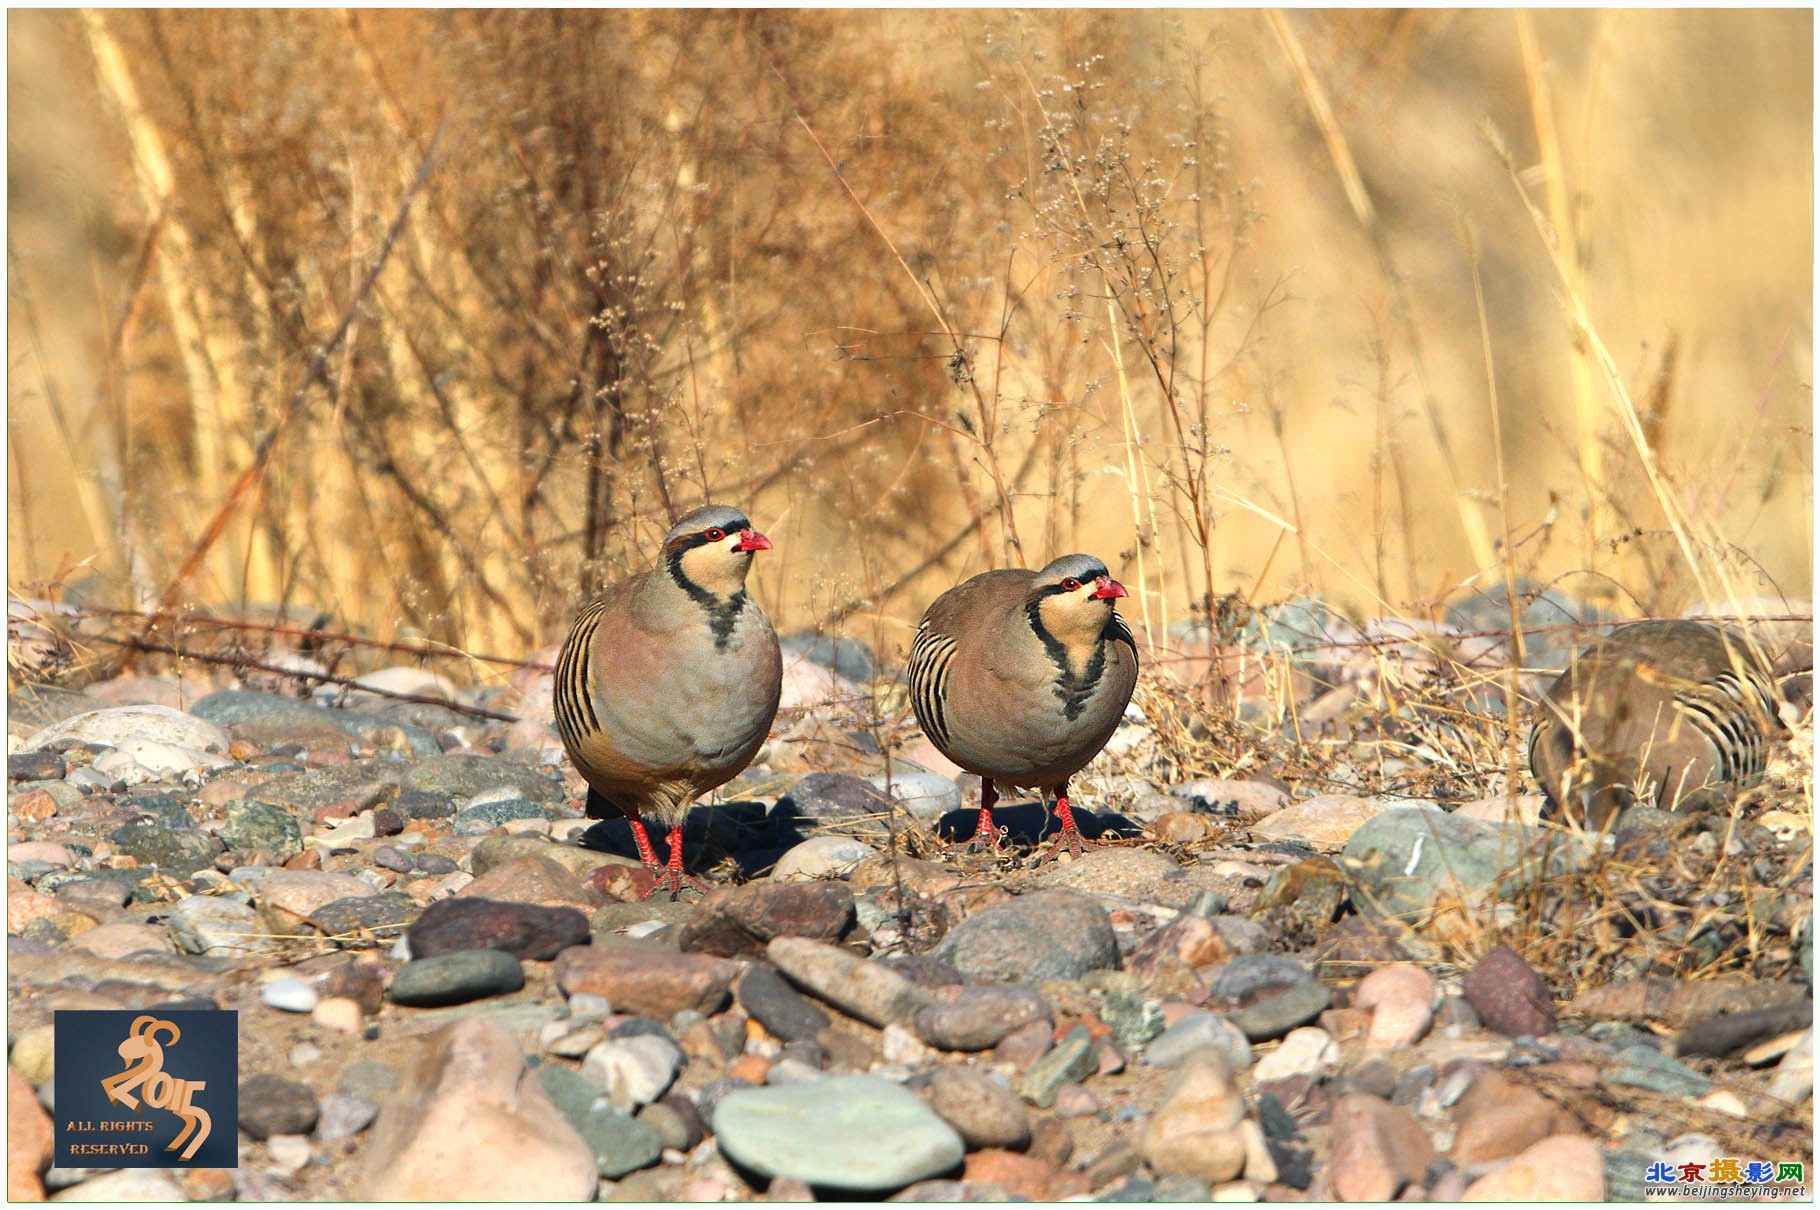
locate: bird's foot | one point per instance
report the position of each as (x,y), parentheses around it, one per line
(673,880)
(671,876)
(986,838)
(1068,838)
(992,844)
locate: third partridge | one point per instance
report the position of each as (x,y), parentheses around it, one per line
(1678,707)
(1022,676)
(668,683)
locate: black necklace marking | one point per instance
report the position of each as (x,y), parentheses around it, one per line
(723,613)
(1074,691)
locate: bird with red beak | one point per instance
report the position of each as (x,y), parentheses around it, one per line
(1021,677)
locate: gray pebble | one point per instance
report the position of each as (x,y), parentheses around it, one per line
(274,1104)
(344,1116)
(456,978)
(1195,1032)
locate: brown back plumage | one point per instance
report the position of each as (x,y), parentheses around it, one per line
(1678,707)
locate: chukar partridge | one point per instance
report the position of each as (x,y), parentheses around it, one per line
(668,682)
(1668,708)
(1022,676)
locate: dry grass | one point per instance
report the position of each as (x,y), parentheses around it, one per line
(1218,295)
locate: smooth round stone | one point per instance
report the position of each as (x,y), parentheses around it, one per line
(1032,939)
(854,1134)
(825,856)
(389,857)
(632,1071)
(456,978)
(777,1006)
(1249,972)
(273,1104)
(1276,1015)
(926,796)
(1305,1050)
(288,1152)
(35,766)
(289,995)
(977,1016)
(123,725)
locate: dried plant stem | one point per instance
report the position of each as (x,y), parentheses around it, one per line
(988,414)
(1586,334)
(1135,487)
(1478,537)
(1512,601)
(314,373)
(88,492)
(1599,517)
(217,408)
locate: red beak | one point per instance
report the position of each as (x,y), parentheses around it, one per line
(1105,588)
(751,539)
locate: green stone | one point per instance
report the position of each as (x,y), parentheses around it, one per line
(258,825)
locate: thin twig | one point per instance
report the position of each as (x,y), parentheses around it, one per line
(313,373)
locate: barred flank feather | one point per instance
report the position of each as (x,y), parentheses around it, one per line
(575,715)
(1729,710)
(930,656)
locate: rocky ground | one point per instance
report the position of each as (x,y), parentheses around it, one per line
(448,985)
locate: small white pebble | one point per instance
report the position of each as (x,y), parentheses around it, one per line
(305,1053)
(289,995)
(1724,1100)
(288,1152)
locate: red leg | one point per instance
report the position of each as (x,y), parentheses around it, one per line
(1069,836)
(646,853)
(985,836)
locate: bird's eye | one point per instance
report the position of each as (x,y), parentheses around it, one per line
(1070,584)
(715,534)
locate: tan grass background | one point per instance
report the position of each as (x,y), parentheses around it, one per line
(1247,303)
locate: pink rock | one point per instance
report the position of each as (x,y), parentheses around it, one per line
(537,880)
(1523,808)
(925,756)
(28,1141)
(1327,822)
(1509,996)
(123,937)
(469,1122)
(1402,999)
(645,978)
(1498,1118)
(1376,1150)
(39,850)
(1195,1132)
(24,905)
(221,791)
(288,898)
(1561,1168)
